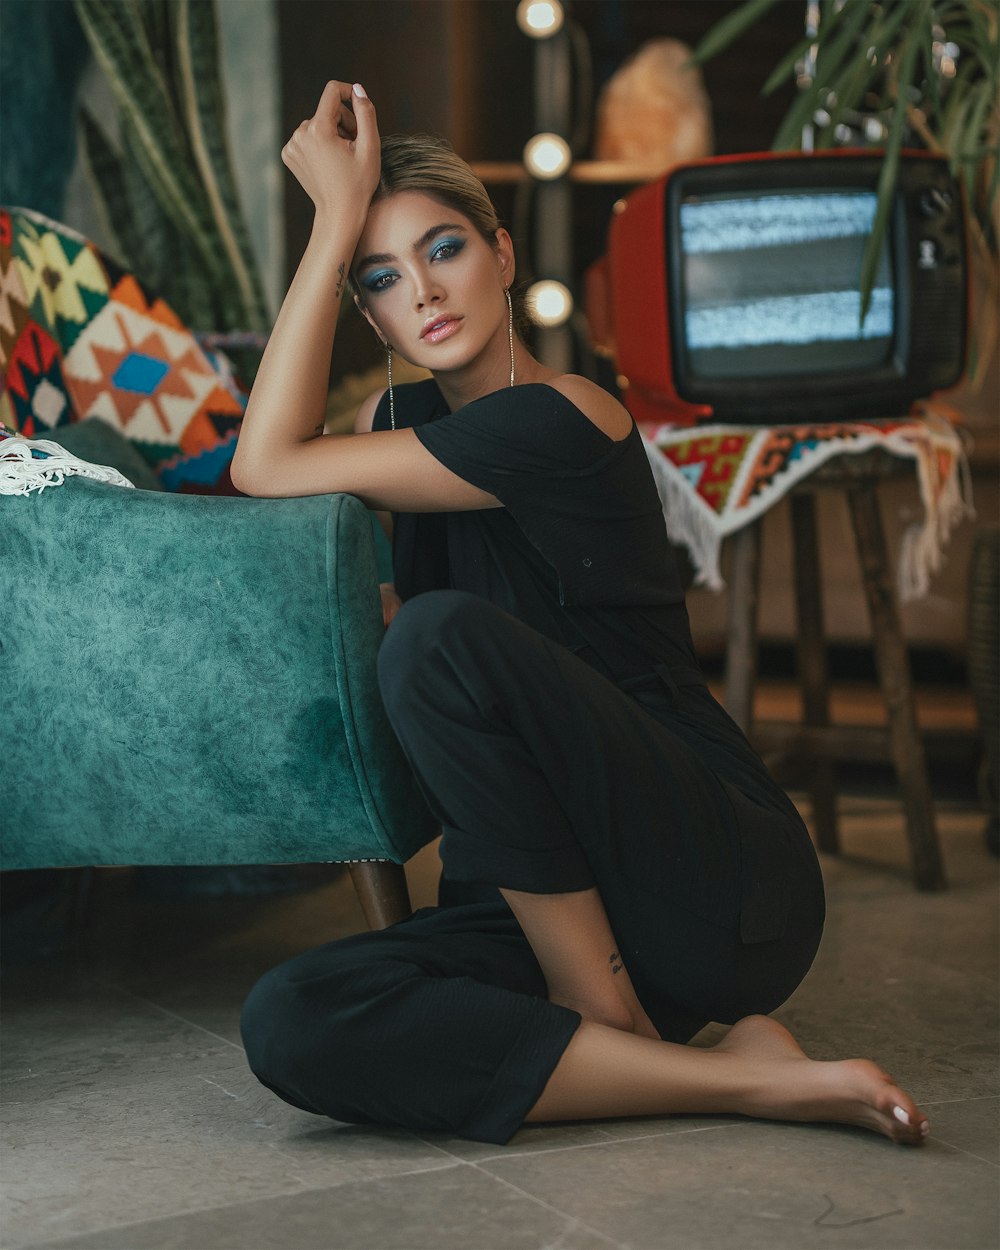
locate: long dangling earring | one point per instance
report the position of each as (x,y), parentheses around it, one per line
(510,331)
(392,405)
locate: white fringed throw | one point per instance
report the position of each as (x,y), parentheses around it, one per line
(28,464)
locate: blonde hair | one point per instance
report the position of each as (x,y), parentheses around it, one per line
(430,165)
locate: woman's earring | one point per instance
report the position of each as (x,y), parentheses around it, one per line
(392,406)
(510,330)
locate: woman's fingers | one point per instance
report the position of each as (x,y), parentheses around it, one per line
(334,95)
(367,123)
(336,153)
(334,111)
(367,146)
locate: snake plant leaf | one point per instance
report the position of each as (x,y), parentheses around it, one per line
(107,172)
(140,90)
(154,20)
(194,290)
(151,224)
(196,42)
(161,60)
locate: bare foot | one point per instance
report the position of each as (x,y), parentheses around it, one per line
(783,1083)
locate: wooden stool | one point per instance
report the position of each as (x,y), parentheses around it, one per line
(857,477)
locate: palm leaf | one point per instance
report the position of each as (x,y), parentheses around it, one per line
(909,52)
(730,28)
(832,55)
(786,66)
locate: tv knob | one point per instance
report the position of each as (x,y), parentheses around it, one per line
(935,202)
(928,256)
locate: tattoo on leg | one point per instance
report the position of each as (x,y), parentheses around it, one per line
(340,278)
(616,963)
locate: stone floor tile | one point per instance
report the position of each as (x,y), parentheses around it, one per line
(131,1118)
(74,1027)
(768,1186)
(528,1140)
(972,1125)
(653,1126)
(92,1156)
(457,1208)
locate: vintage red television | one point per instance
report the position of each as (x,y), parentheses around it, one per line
(733,289)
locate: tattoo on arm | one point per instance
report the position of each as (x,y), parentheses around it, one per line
(341,273)
(616,963)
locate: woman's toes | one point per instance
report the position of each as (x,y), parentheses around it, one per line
(910,1126)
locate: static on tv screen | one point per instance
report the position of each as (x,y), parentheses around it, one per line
(771,284)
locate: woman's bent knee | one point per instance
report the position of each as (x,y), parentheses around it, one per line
(268,1033)
(292,1047)
(313,1028)
(425,627)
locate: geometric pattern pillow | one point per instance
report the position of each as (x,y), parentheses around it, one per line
(81,337)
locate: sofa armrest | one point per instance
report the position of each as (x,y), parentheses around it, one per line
(191,679)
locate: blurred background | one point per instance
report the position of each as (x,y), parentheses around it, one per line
(469,70)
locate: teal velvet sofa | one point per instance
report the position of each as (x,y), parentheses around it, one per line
(190,679)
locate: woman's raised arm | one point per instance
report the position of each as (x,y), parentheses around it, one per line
(335,156)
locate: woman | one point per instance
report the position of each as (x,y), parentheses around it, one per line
(618,867)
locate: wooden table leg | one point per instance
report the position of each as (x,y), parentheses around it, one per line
(897,689)
(812,666)
(741,646)
(381,888)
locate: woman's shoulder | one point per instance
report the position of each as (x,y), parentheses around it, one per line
(365,416)
(414,403)
(596,404)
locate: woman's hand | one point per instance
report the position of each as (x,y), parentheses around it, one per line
(391,602)
(335,154)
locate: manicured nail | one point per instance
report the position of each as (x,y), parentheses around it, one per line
(360,91)
(901,1115)
(925,1129)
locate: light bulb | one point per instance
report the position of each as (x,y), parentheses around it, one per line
(549,303)
(540,18)
(547,156)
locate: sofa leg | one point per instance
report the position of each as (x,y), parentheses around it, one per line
(381,888)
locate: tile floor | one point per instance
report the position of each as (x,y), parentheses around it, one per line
(131,1123)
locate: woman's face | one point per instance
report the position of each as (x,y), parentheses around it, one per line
(429,282)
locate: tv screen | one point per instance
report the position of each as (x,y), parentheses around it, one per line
(735,289)
(771,285)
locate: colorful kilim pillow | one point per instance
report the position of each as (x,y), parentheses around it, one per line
(80,337)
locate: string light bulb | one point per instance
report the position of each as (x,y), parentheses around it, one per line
(547,156)
(549,303)
(540,19)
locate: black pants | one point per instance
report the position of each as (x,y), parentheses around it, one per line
(546,778)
